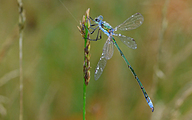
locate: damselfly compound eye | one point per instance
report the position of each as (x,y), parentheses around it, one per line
(97,20)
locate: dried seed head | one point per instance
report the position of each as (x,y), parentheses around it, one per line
(83,32)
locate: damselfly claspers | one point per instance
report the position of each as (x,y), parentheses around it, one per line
(131,23)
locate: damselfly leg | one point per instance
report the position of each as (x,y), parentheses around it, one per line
(93,28)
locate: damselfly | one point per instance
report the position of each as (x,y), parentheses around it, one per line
(131,23)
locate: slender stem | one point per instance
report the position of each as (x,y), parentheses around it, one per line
(21,77)
(84,81)
(84,100)
(86,67)
(21,27)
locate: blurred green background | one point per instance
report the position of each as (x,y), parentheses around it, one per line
(53,61)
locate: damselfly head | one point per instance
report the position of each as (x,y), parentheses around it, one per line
(99,18)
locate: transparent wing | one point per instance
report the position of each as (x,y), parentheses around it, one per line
(100,66)
(131,23)
(130,42)
(108,48)
(106,55)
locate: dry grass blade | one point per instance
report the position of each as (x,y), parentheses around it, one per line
(8,43)
(21,28)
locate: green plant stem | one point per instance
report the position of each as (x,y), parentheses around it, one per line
(84,81)
(84,100)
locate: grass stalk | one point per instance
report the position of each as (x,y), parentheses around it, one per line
(158,73)
(21,28)
(161,38)
(84,25)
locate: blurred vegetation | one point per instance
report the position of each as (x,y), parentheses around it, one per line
(53,61)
